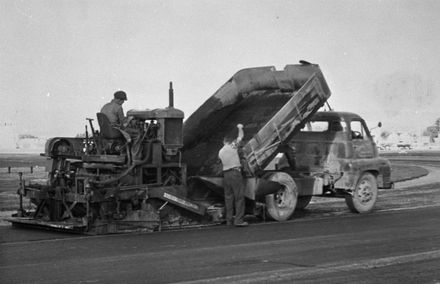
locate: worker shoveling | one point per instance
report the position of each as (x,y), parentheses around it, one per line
(170,175)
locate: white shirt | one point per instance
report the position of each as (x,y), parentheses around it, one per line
(229,156)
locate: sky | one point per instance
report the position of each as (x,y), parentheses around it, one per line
(60,61)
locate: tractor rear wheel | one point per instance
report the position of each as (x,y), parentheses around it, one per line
(280,205)
(364,195)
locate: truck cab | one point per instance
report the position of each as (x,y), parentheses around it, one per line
(334,155)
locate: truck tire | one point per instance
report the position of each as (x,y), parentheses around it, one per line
(303,201)
(364,195)
(281,205)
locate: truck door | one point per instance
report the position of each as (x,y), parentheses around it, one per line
(361,139)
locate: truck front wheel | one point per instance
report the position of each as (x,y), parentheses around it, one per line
(364,195)
(280,205)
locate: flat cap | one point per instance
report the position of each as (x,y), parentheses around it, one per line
(121,95)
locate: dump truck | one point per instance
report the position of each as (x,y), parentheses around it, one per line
(168,175)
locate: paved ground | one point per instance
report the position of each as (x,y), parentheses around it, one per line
(397,243)
(384,247)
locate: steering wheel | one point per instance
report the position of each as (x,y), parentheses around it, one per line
(356,135)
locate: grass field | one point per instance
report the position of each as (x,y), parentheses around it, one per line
(9,182)
(23,160)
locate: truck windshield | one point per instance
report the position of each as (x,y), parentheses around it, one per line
(358,130)
(323,126)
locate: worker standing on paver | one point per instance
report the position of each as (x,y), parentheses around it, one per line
(233,180)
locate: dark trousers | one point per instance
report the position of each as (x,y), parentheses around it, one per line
(234,195)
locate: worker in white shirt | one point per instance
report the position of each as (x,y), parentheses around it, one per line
(233,180)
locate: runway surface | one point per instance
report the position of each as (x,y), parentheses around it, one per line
(399,242)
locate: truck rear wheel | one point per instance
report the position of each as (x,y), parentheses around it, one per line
(280,205)
(364,195)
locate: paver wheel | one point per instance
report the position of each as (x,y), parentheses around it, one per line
(303,201)
(364,195)
(280,205)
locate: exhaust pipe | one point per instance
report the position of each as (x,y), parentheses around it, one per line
(171,95)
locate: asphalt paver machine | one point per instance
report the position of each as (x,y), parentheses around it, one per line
(161,172)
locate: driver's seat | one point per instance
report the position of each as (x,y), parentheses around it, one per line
(108,131)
